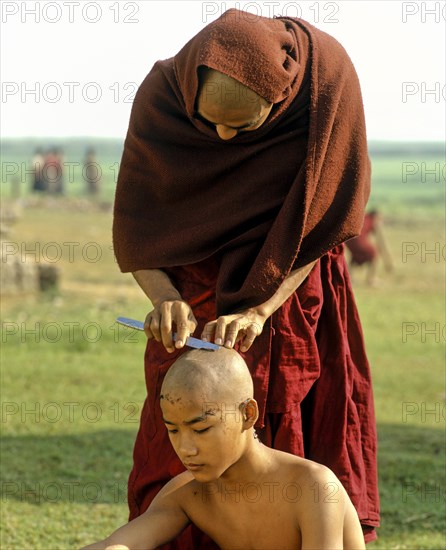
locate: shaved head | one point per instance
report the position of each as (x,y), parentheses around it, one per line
(209,411)
(219,376)
(229,105)
(219,88)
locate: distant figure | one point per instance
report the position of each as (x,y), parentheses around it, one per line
(59,184)
(52,171)
(91,172)
(364,251)
(39,184)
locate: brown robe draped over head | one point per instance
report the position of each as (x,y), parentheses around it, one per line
(266,201)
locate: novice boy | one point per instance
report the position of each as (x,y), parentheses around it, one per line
(238,491)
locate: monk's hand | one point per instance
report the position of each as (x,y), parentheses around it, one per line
(243,327)
(169,316)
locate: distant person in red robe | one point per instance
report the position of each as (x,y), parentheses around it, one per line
(245,168)
(53,171)
(363,251)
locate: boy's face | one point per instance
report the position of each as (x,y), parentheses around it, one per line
(207,436)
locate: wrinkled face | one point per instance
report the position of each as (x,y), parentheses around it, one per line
(207,439)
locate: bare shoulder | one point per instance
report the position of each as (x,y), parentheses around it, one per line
(309,471)
(324,512)
(174,495)
(176,489)
(302,468)
(313,481)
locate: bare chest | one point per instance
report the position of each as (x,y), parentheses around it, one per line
(247,519)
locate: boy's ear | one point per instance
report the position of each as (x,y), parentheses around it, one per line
(250,413)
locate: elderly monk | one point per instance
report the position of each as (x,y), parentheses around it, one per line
(244,170)
(239,492)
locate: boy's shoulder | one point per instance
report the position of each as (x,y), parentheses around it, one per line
(309,476)
(181,482)
(175,490)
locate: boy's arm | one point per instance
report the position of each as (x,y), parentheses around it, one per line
(327,519)
(160,523)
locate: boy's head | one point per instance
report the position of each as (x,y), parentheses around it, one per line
(209,410)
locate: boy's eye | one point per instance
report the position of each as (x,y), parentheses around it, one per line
(202,431)
(172,431)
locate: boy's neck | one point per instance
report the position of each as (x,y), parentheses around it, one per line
(255,462)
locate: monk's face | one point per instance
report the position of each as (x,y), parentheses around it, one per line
(230,106)
(229,122)
(207,437)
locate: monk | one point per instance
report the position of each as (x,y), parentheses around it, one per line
(238,491)
(244,170)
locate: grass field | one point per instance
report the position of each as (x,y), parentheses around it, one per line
(72,382)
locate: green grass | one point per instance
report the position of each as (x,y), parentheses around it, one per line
(70,408)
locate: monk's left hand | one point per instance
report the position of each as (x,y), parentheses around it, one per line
(241,327)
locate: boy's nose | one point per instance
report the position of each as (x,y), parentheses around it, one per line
(225,132)
(187,448)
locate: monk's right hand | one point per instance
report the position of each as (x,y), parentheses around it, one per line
(167,317)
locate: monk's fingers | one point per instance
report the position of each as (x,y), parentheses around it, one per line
(151,326)
(252,330)
(220,330)
(185,322)
(166,326)
(191,320)
(208,332)
(215,330)
(233,330)
(184,329)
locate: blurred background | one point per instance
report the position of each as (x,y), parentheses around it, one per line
(72,380)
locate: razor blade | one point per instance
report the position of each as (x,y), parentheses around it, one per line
(190,340)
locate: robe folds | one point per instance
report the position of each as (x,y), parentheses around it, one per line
(228,221)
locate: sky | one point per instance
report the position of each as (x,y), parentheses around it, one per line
(71,68)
